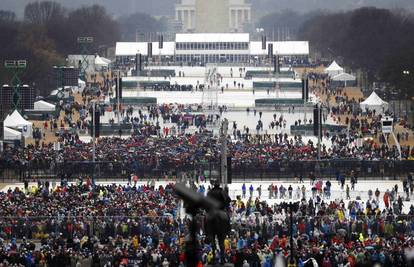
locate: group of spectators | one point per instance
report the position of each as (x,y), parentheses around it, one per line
(143,225)
(150,148)
(73,225)
(170,87)
(146,150)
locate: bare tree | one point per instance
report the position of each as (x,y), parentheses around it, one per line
(7,16)
(43,13)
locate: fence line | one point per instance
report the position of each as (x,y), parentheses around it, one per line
(272,170)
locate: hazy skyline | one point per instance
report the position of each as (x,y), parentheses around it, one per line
(260,7)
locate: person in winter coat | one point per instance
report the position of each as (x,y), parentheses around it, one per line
(387,199)
(377,194)
(369,194)
(165,263)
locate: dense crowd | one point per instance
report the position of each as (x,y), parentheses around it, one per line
(148,150)
(76,226)
(129,225)
(160,138)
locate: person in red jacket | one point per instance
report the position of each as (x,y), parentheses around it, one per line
(386,199)
(275,243)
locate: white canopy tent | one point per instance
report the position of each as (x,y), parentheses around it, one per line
(334,69)
(374,102)
(344,78)
(15,120)
(81,85)
(10,134)
(44,106)
(108,61)
(100,63)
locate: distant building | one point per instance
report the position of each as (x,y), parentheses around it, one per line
(214,48)
(213,15)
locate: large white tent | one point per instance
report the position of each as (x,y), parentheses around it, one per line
(108,61)
(10,134)
(344,79)
(81,85)
(374,102)
(16,121)
(44,106)
(100,63)
(334,69)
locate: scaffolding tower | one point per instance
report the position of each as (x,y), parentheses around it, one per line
(85,43)
(209,99)
(16,67)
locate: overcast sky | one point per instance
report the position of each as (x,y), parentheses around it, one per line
(261,7)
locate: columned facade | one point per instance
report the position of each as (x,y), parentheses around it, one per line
(185,12)
(239,15)
(196,16)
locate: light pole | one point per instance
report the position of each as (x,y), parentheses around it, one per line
(224,128)
(292,208)
(407,75)
(260,32)
(319,114)
(118,98)
(93,103)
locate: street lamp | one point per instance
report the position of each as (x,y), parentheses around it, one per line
(118,97)
(406,74)
(93,104)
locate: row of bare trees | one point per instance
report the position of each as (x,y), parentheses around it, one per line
(377,41)
(48,33)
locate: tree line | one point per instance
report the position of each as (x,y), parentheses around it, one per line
(49,32)
(376,41)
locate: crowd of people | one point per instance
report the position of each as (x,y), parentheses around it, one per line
(143,225)
(171,146)
(154,147)
(160,138)
(148,150)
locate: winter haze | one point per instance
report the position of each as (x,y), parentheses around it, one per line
(260,7)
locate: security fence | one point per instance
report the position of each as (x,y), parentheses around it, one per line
(283,169)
